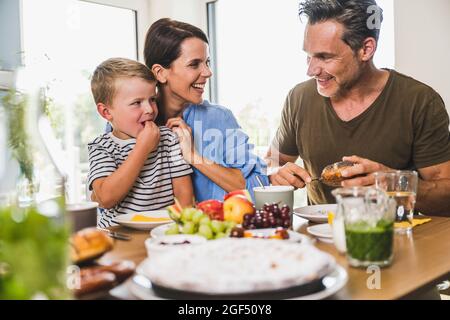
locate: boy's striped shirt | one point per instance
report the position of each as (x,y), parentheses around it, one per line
(153,188)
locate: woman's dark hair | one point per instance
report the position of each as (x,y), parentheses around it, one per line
(358,17)
(164,38)
(163,46)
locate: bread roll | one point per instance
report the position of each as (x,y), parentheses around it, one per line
(94,280)
(122,269)
(88,244)
(103,277)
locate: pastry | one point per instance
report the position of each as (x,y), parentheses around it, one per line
(88,244)
(332,174)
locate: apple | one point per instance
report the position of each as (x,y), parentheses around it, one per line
(234,208)
(213,208)
(244,193)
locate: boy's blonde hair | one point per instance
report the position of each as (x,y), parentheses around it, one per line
(105,75)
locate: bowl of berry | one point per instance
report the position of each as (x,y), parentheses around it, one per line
(269,216)
(269,222)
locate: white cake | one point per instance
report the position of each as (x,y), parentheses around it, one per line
(229,266)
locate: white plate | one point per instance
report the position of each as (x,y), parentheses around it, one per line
(125,220)
(141,287)
(333,282)
(321,230)
(293,236)
(160,230)
(316,213)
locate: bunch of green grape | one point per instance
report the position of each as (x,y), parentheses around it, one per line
(194,221)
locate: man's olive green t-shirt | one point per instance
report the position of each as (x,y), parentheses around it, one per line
(406,127)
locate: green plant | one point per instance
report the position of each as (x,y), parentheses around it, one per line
(15,105)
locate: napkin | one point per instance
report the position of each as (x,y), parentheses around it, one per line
(416,222)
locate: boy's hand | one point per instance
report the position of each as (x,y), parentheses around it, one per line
(148,138)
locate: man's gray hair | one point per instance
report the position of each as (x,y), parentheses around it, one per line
(361,18)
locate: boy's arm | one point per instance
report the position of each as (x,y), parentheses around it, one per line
(183,191)
(111,190)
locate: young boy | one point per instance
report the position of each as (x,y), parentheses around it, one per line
(138,166)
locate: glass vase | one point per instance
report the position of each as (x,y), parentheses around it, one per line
(34,233)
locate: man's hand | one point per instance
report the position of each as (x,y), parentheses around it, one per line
(148,138)
(364,169)
(290,174)
(184,133)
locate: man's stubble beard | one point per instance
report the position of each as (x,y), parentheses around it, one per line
(345,87)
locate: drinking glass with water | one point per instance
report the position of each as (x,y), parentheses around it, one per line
(401,186)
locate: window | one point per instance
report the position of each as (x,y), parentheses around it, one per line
(64,41)
(260,58)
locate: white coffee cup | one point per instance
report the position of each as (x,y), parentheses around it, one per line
(274,194)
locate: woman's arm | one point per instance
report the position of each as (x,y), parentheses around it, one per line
(183,191)
(228,179)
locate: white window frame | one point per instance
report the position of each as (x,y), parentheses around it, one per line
(212,83)
(204,16)
(6,80)
(142,18)
(142,25)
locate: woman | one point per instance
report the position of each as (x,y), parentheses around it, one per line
(222,159)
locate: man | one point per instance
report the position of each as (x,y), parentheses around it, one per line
(351,110)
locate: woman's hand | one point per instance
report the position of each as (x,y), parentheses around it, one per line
(229,179)
(184,133)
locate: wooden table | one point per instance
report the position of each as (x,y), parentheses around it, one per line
(421,260)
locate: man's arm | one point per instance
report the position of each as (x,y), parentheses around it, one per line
(433,196)
(183,191)
(284,171)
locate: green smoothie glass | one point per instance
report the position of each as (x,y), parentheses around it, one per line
(368,215)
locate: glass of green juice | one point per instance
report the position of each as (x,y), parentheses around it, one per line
(369,216)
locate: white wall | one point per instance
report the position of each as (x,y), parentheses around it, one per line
(422,42)
(190,11)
